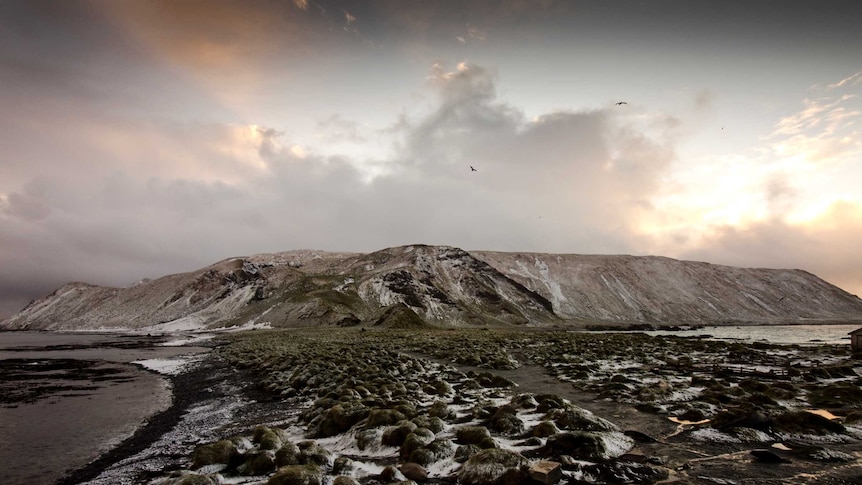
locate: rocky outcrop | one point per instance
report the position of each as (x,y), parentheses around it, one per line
(439,285)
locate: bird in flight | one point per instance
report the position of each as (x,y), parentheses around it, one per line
(473,169)
(620,103)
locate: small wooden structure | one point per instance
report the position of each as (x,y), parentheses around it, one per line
(856,340)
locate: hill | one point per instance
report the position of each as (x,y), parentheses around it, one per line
(444,286)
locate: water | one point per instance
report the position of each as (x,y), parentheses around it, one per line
(67,398)
(776,334)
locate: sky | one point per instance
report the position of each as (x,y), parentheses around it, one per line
(145,138)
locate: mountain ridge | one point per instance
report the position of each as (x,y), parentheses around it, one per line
(444,286)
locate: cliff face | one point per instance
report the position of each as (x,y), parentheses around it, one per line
(664,290)
(444,286)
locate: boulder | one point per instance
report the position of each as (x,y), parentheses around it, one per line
(546,472)
(472,435)
(220,452)
(383,417)
(261,462)
(414,471)
(545,429)
(298,475)
(588,445)
(488,467)
(395,435)
(577,419)
(288,454)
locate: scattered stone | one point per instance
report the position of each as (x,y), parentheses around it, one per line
(547,472)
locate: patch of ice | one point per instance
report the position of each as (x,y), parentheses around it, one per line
(443,468)
(616,444)
(190,323)
(187,340)
(345,444)
(713,435)
(684,395)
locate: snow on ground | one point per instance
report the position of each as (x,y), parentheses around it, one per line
(187,340)
(171,366)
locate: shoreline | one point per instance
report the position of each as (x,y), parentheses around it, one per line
(187,388)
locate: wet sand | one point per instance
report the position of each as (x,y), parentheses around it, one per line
(65,399)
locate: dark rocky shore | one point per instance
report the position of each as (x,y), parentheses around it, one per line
(494,407)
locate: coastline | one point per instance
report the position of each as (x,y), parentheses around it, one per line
(68,400)
(187,388)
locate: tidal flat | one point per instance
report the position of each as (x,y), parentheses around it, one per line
(483,406)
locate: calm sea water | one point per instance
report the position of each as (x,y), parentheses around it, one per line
(777,334)
(68,397)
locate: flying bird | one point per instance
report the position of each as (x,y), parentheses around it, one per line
(473,169)
(620,103)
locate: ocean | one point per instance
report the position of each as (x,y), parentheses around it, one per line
(66,398)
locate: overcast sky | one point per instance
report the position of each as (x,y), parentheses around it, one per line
(142,138)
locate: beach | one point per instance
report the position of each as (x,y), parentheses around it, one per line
(69,398)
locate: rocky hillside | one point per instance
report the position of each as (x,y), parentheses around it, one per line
(414,285)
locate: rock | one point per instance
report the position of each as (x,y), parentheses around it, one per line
(433,423)
(261,462)
(395,435)
(223,451)
(471,435)
(342,480)
(547,472)
(545,429)
(414,471)
(488,466)
(577,419)
(743,417)
(836,396)
(415,440)
(767,456)
(803,422)
(639,436)
(288,454)
(433,452)
(267,438)
(391,474)
(439,388)
(506,421)
(297,475)
(383,417)
(463,453)
(195,479)
(588,445)
(524,401)
(340,418)
(342,465)
(440,410)
(314,455)
(366,438)
(624,472)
